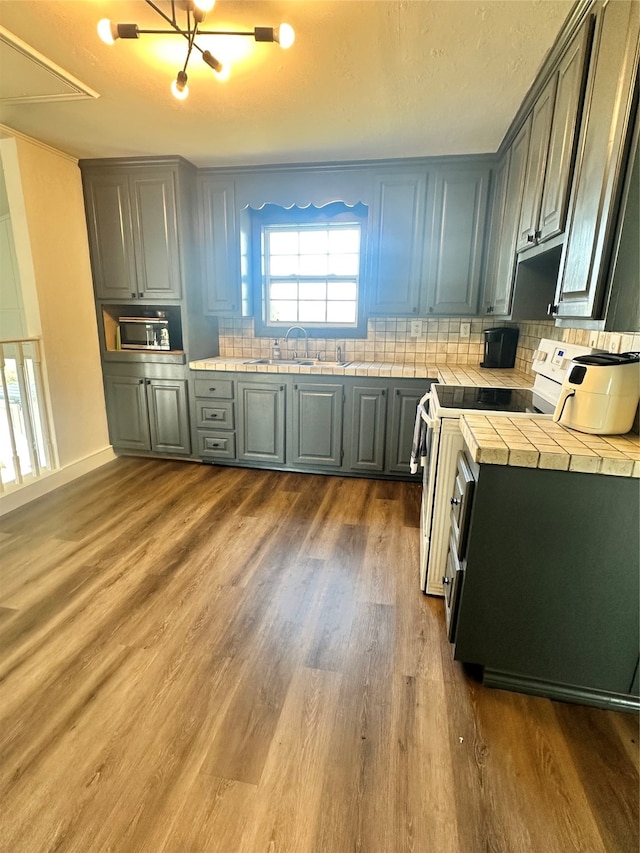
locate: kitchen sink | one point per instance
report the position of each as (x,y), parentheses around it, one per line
(299,362)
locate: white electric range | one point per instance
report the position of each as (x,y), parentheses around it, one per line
(441,409)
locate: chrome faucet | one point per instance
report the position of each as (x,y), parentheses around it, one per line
(306,338)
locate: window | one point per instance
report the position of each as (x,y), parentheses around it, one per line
(310,268)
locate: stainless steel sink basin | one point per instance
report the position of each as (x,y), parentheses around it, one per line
(299,362)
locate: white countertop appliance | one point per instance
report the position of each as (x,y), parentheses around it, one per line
(441,409)
(600,393)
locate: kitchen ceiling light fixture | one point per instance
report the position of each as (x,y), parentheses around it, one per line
(195,12)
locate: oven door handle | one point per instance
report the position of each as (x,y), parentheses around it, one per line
(424,411)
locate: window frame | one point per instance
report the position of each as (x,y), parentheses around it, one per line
(271,214)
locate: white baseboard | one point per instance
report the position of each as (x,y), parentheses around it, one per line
(30,491)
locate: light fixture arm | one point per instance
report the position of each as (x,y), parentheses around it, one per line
(195,15)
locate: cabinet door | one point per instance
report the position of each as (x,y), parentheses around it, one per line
(168,415)
(220,248)
(506,261)
(599,169)
(495,229)
(536,164)
(316,429)
(367,428)
(457,239)
(404,403)
(260,427)
(109,221)
(127,414)
(398,226)
(564,134)
(157,251)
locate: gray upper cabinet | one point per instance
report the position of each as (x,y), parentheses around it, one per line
(600,162)
(504,228)
(316,430)
(397,231)
(456,240)
(219,247)
(132,219)
(494,230)
(540,121)
(261,424)
(555,121)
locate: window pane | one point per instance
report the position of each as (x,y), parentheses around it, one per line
(344,241)
(341,312)
(314,242)
(313,264)
(283,242)
(284,265)
(343,264)
(283,312)
(342,290)
(313,312)
(284,290)
(313,290)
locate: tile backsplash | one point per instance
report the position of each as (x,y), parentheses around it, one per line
(389,340)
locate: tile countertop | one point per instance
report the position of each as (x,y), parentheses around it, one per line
(540,443)
(448,374)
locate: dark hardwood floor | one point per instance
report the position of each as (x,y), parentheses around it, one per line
(199,659)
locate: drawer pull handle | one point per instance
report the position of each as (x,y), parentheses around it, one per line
(215,444)
(212,417)
(455,502)
(212,389)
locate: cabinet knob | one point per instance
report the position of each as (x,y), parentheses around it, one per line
(538,235)
(445,581)
(414,310)
(141,294)
(531,238)
(455,501)
(552,309)
(212,389)
(133,296)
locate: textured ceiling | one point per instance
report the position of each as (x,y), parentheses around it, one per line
(365,79)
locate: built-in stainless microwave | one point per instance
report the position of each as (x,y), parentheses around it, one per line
(143,333)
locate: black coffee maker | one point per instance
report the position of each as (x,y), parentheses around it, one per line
(500,347)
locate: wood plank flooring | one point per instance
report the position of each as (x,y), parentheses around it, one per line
(200,659)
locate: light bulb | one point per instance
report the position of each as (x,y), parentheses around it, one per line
(204,5)
(223,73)
(107,31)
(179,88)
(285,35)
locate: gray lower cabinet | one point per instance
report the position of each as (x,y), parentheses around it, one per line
(552,608)
(261,421)
(342,424)
(366,428)
(315,434)
(402,418)
(148,414)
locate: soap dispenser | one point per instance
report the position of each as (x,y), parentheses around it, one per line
(275,351)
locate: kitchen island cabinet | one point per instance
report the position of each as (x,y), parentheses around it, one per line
(550,591)
(147,409)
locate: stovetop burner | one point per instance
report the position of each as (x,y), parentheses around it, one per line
(487,399)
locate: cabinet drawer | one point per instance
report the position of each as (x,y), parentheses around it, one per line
(214,445)
(214,387)
(218,414)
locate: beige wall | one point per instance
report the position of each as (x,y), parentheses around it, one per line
(53,223)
